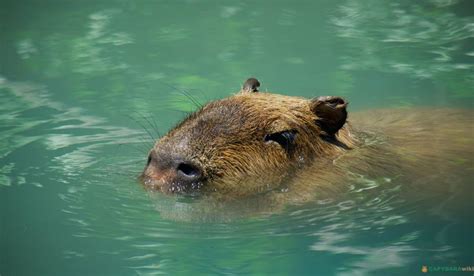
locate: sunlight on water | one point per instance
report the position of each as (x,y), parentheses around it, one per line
(86,89)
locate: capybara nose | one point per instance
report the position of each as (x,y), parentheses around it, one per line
(189,172)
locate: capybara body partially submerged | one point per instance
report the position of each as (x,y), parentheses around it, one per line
(284,149)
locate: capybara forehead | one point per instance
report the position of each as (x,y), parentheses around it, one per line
(247,113)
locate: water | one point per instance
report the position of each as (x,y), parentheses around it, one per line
(86,85)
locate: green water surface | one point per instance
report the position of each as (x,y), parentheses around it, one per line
(86,87)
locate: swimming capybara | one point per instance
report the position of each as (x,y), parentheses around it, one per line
(291,149)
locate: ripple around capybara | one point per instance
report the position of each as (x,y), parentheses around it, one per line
(269,151)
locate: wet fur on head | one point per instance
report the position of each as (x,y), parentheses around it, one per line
(254,142)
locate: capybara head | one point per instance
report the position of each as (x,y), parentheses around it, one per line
(246,144)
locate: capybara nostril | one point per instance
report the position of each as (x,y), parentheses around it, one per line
(190,172)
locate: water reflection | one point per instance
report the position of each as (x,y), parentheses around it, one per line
(90,52)
(102,202)
(422,40)
(82,149)
(67,175)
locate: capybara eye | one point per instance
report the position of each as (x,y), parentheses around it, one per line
(286,139)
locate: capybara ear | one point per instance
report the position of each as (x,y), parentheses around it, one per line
(331,113)
(251,85)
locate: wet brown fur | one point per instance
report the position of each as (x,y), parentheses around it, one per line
(226,138)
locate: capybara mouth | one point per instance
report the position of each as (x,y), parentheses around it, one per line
(176,186)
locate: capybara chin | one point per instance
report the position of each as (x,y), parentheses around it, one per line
(292,149)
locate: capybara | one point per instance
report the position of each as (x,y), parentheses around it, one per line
(290,150)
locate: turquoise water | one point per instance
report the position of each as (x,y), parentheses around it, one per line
(86,86)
